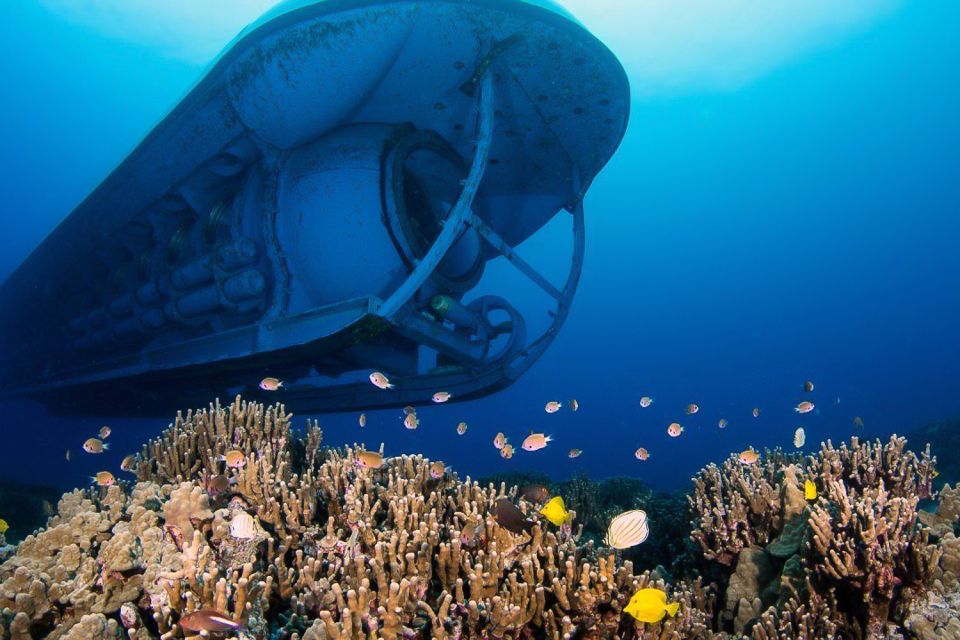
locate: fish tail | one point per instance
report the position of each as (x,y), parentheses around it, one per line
(671,608)
(390,385)
(106,446)
(548,439)
(93,480)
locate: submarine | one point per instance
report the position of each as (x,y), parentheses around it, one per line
(322,204)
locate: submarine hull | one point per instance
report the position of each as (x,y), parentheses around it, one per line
(323,203)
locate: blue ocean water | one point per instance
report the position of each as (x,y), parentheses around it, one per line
(798,225)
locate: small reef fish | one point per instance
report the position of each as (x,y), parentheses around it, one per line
(411,421)
(804,407)
(499,440)
(646,401)
(628,529)
(641,454)
(472,534)
(574,405)
(4,526)
(756,412)
(556,512)
(650,606)
(535,442)
(574,453)
(234,458)
(858,422)
(380,381)
(129,463)
(362,419)
(441,396)
(48,509)
(535,493)
(270,384)
(808,386)
(67,456)
(723,423)
(692,409)
(437,469)
(408,410)
(217,485)
(674,430)
(748,457)
(461,428)
(809,490)
(105,432)
(209,620)
(552,407)
(243,526)
(368,460)
(92,445)
(510,517)
(103,479)
(799,437)
(507,452)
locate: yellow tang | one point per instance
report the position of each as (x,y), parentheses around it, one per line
(650,605)
(809,490)
(556,512)
(3,526)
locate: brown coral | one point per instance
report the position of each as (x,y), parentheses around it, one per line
(737,506)
(856,554)
(313,544)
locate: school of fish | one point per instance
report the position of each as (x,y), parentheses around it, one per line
(625,530)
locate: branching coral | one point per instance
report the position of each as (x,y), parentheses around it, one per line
(278,474)
(313,546)
(856,553)
(309,544)
(738,506)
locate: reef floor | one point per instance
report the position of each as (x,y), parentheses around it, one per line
(255,530)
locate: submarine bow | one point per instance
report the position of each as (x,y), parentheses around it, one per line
(323,203)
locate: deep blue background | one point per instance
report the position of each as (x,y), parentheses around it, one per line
(803,226)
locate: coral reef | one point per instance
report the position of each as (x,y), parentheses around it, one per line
(856,556)
(236,512)
(307,544)
(597,501)
(944,438)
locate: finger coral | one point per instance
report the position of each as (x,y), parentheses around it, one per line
(856,555)
(308,544)
(293,542)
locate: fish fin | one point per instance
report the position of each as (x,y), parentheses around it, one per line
(106,446)
(671,608)
(390,385)
(93,480)
(548,439)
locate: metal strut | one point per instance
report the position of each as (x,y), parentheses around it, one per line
(456,222)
